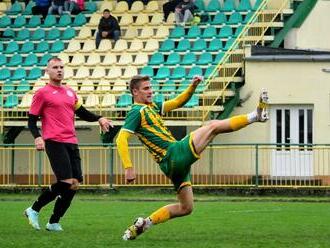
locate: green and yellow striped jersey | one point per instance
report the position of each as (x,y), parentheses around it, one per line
(145,121)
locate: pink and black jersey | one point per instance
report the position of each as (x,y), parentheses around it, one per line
(56,107)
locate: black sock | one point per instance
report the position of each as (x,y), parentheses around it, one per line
(49,195)
(62,204)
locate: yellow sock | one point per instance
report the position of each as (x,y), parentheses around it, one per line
(238,122)
(160,215)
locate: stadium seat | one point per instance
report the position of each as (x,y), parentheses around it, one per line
(3,7)
(215,46)
(26,101)
(225,32)
(95,18)
(34,22)
(12,47)
(87,86)
(74,46)
(193,32)
(119,86)
(213,6)
(157,19)
(178,73)
(229,43)
(177,33)
(8,34)
(248,17)
(19,22)
(3,60)
(136,8)
(147,70)
(27,47)
(167,46)
(34,74)
(57,46)
(205,59)
(68,73)
(79,20)
(5,21)
(209,32)
(109,59)
(22,87)
(15,9)
(104,85)
(124,100)
(38,34)
(238,30)
(162,32)
(200,5)
(199,45)
(146,33)
(78,59)
(82,73)
(30,60)
(256,4)
(183,85)
(84,33)
(88,47)
(28,8)
(125,59)
(140,59)
(15,60)
(109,100)
(136,46)
(209,71)
(92,101)
(235,18)
(8,87)
(193,102)
(159,97)
(152,7)
(156,59)
(64,21)
(121,8)
(126,20)
(4,74)
(120,46)
(151,45)
(19,74)
(188,59)
(1,47)
(131,33)
(195,70)
(53,34)
(173,59)
(93,59)
(114,73)
(11,101)
(23,34)
(244,5)
(90,7)
(68,34)
(183,46)
(228,6)
(219,19)
(50,21)
(217,58)
(106,5)
(129,72)
(105,46)
(168,87)
(44,59)
(154,86)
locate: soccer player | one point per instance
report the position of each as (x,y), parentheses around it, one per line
(57,105)
(174,157)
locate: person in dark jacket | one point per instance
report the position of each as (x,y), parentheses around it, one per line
(108,28)
(170,7)
(41,7)
(184,12)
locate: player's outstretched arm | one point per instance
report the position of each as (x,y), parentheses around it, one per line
(122,146)
(184,97)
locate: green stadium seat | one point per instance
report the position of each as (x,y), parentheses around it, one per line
(3,60)
(215,46)
(19,74)
(213,6)
(159,97)
(30,60)
(238,30)
(229,43)
(35,21)
(11,101)
(19,22)
(167,46)
(173,59)
(193,102)
(188,59)
(15,9)
(15,60)
(225,32)
(183,46)
(28,8)
(178,73)
(154,85)
(147,70)
(248,17)
(90,7)
(200,5)
(156,59)
(50,21)
(168,86)
(53,34)
(12,47)
(8,87)
(209,70)
(68,34)
(162,73)
(124,101)
(205,59)
(4,74)
(217,58)
(228,6)
(1,47)
(193,32)
(38,34)
(42,47)
(183,85)
(8,34)
(256,4)
(209,32)
(244,5)
(235,18)
(34,74)
(219,19)
(64,21)
(195,70)
(23,34)
(27,47)
(5,21)
(44,59)
(198,45)
(57,47)
(177,33)
(79,20)
(23,87)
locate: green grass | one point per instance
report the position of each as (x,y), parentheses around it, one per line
(99,221)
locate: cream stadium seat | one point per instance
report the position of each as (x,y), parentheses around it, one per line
(98,73)
(120,46)
(157,19)
(136,45)
(108,100)
(162,32)
(152,7)
(146,33)
(92,101)
(141,20)
(68,73)
(105,46)
(38,85)
(126,20)
(86,86)
(119,86)
(104,85)
(114,73)
(3,7)
(151,45)
(88,47)
(131,33)
(125,59)
(64,57)
(84,33)
(94,20)
(72,84)
(110,59)
(129,72)
(120,8)
(82,73)
(77,60)
(170,19)
(93,59)
(137,7)
(141,59)
(106,5)
(26,101)
(73,47)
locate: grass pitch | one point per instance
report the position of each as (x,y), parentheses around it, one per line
(100,220)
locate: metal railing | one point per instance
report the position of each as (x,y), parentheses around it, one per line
(221,165)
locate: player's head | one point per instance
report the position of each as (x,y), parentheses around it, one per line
(55,70)
(140,88)
(106,13)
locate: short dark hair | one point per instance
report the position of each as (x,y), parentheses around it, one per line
(136,80)
(106,10)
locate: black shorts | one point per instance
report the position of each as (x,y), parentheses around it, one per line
(64,159)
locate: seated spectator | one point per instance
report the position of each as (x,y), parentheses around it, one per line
(170,7)
(108,28)
(184,12)
(74,6)
(41,8)
(56,7)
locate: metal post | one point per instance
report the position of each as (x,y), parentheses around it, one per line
(12,163)
(111,165)
(211,164)
(257,165)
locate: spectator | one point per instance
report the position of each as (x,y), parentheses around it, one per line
(170,7)
(56,7)
(108,28)
(184,12)
(74,6)
(41,8)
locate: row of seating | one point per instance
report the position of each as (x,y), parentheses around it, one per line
(20,74)
(228,5)
(29,47)
(123,7)
(29,61)
(36,21)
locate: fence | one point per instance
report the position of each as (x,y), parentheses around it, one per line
(236,165)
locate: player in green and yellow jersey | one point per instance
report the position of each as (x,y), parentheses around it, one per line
(174,157)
